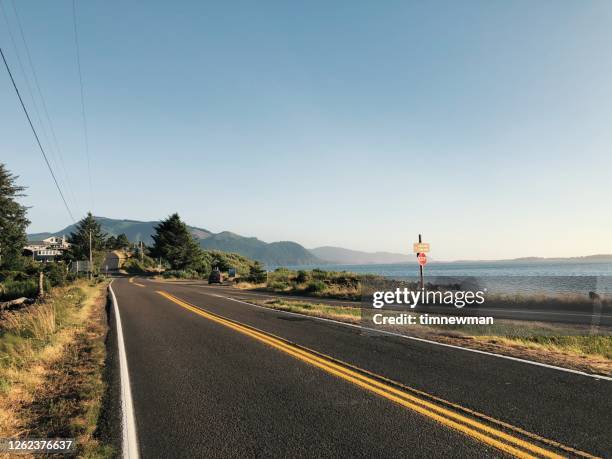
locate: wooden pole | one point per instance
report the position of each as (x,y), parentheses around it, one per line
(41,284)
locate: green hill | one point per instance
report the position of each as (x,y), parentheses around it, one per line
(275,253)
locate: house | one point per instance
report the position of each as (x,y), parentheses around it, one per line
(48,249)
(57,242)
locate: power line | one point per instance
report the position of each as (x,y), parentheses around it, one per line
(42,150)
(58,150)
(78,55)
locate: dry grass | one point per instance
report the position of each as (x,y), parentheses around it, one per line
(249,286)
(345,314)
(600,346)
(51,370)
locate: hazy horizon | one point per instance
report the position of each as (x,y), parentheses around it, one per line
(484,126)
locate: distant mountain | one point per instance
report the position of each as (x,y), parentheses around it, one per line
(353,257)
(275,253)
(587,258)
(281,253)
(597,258)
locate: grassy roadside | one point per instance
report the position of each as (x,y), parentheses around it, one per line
(585,353)
(316,282)
(51,368)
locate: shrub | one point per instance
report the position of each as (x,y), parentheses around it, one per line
(12,289)
(316,286)
(302,277)
(278,285)
(181,274)
(320,274)
(56,273)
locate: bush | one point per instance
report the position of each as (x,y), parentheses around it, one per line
(316,286)
(56,273)
(278,285)
(12,289)
(13,275)
(302,277)
(181,274)
(320,274)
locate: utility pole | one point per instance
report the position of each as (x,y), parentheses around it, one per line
(90,257)
(141,252)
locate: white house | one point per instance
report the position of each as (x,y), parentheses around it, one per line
(47,249)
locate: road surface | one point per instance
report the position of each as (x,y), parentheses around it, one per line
(215,377)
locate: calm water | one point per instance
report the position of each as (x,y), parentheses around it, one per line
(478,269)
(502,276)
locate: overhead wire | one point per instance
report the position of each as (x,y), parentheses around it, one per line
(42,150)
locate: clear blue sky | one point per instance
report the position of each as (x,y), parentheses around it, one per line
(485,125)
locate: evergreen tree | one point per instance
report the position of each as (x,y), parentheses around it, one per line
(13,221)
(174,243)
(122,242)
(79,239)
(111,242)
(257,273)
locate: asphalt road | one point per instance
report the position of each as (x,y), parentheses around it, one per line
(204,386)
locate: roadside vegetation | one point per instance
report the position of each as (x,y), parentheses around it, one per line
(51,371)
(325,284)
(52,346)
(341,313)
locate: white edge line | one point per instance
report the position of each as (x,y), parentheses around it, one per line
(128,423)
(414,338)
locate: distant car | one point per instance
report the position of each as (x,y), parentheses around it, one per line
(215,277)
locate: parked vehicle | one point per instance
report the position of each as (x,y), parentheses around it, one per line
(215,277)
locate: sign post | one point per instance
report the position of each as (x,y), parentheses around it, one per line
(421,248)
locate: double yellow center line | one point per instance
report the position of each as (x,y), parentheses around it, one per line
(475,428)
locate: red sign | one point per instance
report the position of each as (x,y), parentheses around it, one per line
(422,259)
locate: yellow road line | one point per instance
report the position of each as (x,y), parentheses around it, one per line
(469,426)
(131,281)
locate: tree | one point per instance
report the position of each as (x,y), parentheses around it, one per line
(122,242)
(174,243)
(79,240)
(117,243)
(111,242)
(257,273)
(13,221)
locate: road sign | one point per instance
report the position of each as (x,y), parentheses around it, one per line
(420,247)
(422,259)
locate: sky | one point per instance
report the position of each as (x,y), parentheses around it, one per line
(484,125)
